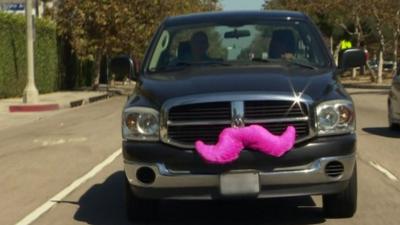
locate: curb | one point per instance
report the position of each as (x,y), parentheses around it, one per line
(367,86)
(34,108)
(85,101)
(56,106)
(120,91)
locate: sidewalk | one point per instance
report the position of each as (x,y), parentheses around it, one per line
(365,83)
(60,99)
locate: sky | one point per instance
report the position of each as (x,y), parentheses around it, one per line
(241,4)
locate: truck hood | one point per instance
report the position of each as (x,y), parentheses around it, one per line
(157,88)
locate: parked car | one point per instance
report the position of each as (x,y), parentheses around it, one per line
(387,65)
(394,102)
(206,72)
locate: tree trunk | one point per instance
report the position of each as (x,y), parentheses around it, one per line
(381,48)
(97,64)
(396,40)
(358,30)
(336,54)
(358,36)
(380,66)
(331,44)
(396,45)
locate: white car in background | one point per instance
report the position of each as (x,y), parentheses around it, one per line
(394,102)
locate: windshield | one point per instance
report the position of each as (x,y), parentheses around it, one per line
(209,45)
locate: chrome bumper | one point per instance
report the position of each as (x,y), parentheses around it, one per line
(309,174)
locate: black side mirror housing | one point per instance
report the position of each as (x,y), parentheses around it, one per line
(352,58)
(122,66)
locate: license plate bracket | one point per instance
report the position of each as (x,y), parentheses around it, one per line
(240,184)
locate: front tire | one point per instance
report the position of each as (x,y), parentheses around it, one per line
(138,209)
(343,204)
(392,126)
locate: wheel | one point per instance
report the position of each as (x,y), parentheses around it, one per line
(137,209)
(392,126)
(343,204)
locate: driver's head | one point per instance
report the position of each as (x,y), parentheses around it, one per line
(199,45)
(282,42)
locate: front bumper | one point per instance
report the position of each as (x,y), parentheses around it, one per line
(182,174)
(177,159)
(308,179)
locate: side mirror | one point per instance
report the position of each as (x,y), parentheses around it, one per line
(352,58)
(122,66)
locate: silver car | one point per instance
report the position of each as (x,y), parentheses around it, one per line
(394,102)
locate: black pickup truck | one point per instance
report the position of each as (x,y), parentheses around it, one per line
(206,72)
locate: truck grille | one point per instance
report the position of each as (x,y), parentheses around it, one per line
(190,134)
(188,123)
(201,111)
(209,133)
(274,109)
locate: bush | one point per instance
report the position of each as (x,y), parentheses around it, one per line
(13,55)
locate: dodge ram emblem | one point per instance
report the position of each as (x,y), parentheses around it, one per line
(237,122)
(237,113)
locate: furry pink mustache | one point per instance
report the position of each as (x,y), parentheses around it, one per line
(232,141)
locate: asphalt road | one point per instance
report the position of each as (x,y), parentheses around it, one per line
(41,158)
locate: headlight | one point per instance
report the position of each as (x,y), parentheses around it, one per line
(335,117)
(140,123)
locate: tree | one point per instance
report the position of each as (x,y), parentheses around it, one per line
(393,22)
(96,28)
(396,36)
(328,14)
(385,14)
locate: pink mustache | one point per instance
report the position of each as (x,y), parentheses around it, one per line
(232,141)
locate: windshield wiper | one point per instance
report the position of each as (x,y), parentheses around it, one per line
(290,62)
(209,63)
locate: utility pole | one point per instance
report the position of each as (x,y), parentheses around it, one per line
(31,94)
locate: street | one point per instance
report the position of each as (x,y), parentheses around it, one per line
(41,158)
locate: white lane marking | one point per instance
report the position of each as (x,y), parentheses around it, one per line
(54,142)
(31,217)
(383,170)
(59,141)
(81,139)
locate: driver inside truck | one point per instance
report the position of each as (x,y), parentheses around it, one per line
(199,46)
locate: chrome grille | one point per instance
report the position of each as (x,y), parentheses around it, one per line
(302,128)
(184,122)
(202,111)
(189,134)
(274,109)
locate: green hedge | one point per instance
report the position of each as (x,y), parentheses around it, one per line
(13,56)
